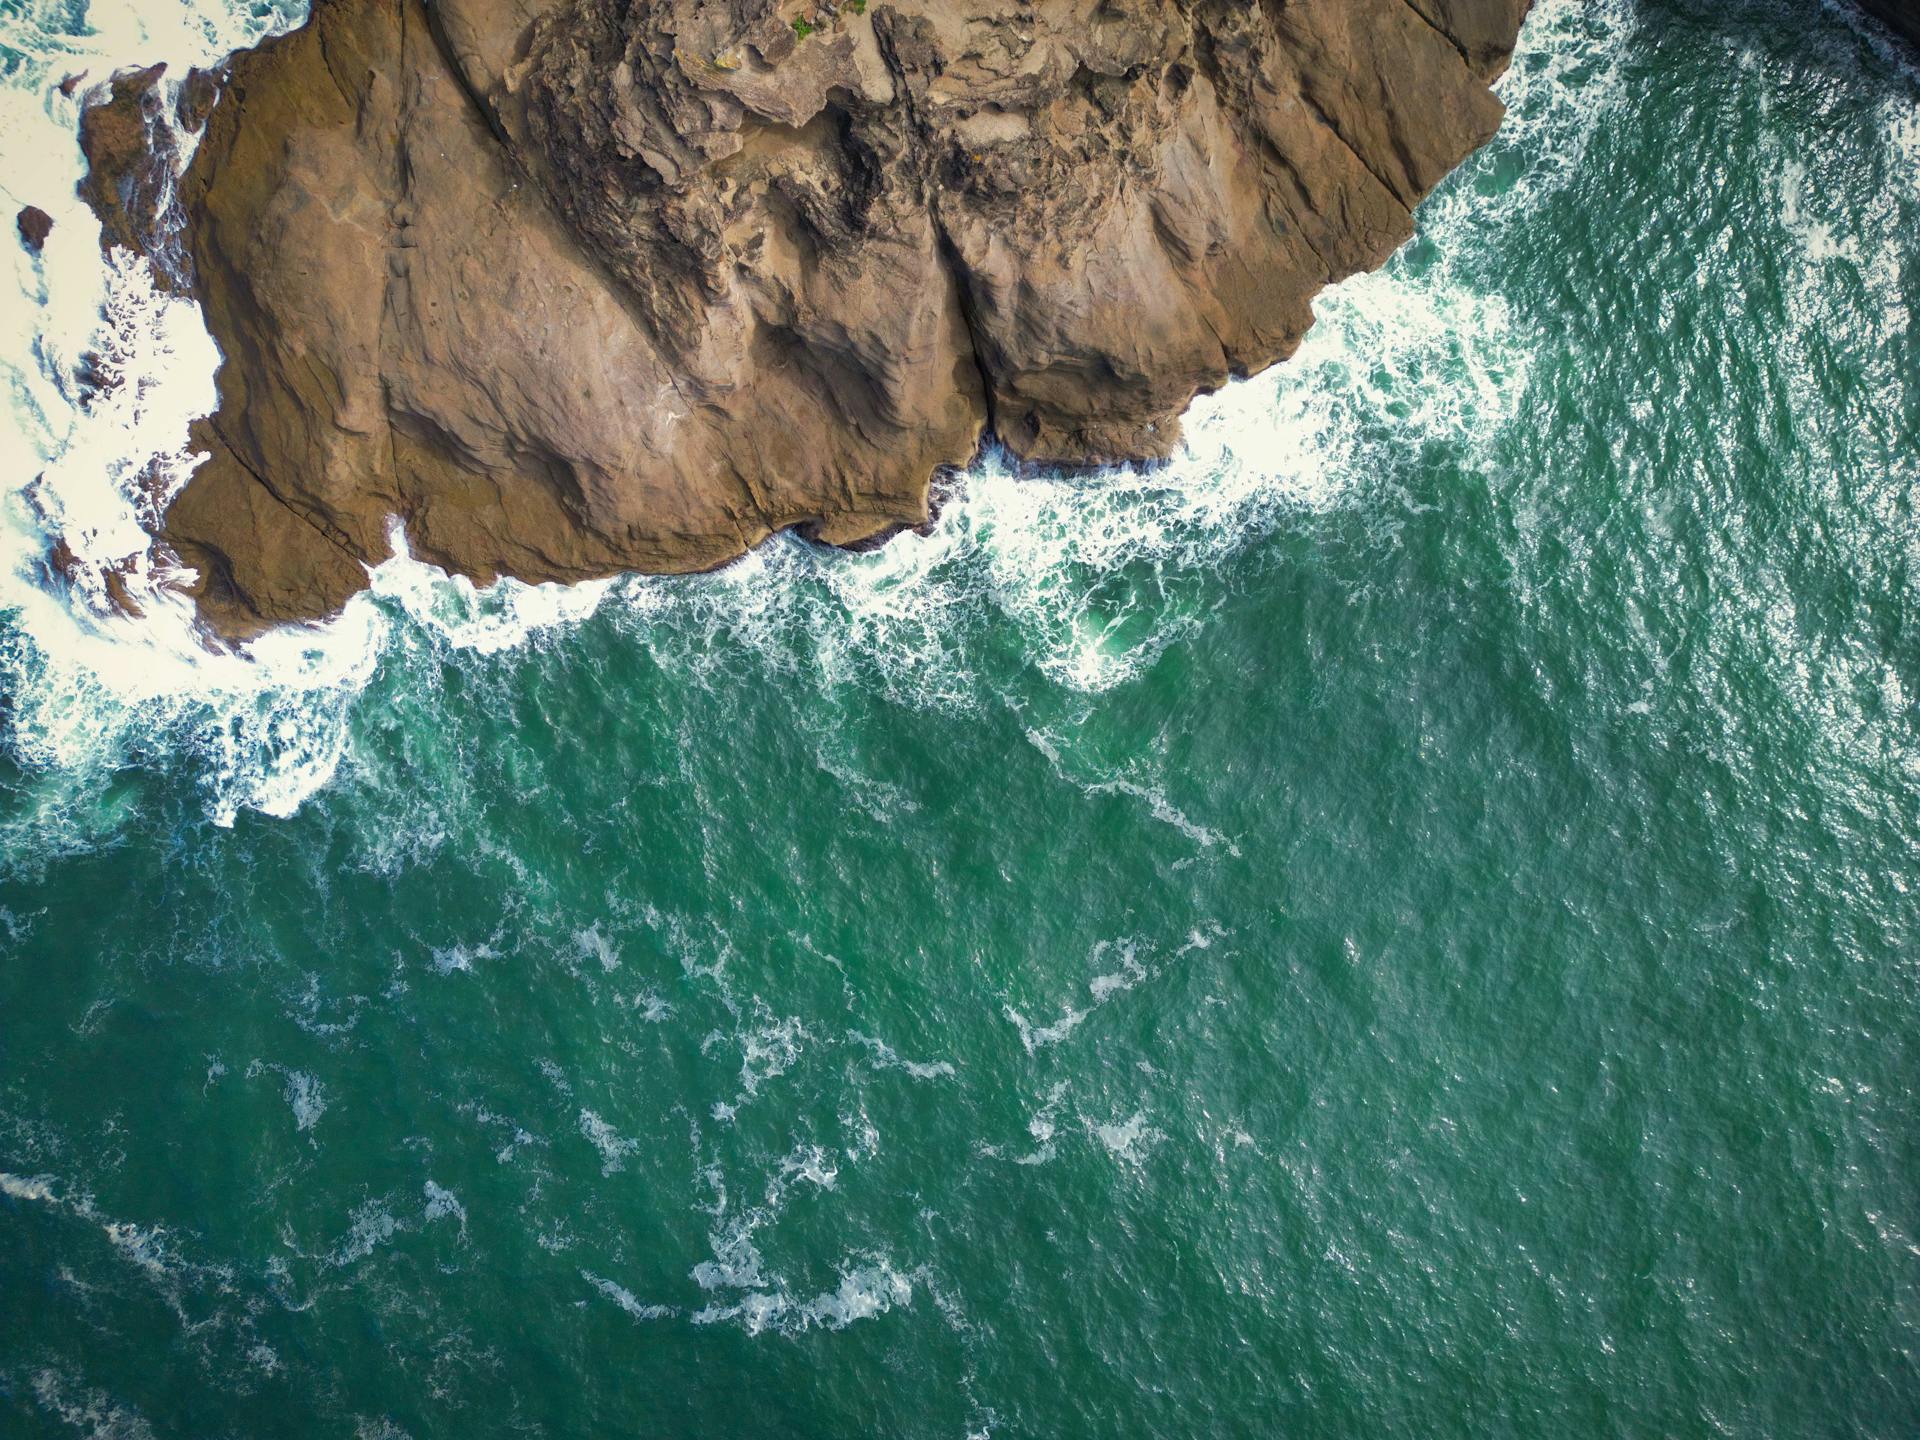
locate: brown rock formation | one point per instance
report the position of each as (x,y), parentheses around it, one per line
(199,93)
(131,163)
(35,226)
(581,286)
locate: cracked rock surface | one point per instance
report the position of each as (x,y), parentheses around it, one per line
(574,287)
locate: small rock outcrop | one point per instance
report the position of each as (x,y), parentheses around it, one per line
(573,287)
(35,226)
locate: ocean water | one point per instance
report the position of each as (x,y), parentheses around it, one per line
(1399,924)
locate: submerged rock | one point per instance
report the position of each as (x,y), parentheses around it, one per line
(581,286)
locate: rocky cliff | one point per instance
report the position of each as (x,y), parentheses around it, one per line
(580,286)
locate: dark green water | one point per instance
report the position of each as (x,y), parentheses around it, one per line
(1404,925)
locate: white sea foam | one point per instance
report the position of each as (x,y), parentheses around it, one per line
(306,1096)
(151,1251)
(1129,1140)
(594,945)
(460,615)
(459,959)
(1082,568)
(768,1049)
(626,1299)
(614,1147)
(27,1187)
(746,1290)
(1834,229)
(1817,237)
(310,1008)
(87,1412)
(1039,1037)
(373,1226)
(89,686)
(1043,1125)
(867,1288)
(1130,973)
(864,1291)
(737,1263)
(884,1057)
(1105,986)
(1052,554)
(1567,82)
(517,1135)
(144,1246)
(443,1204)
(1149,792)
(858,1125)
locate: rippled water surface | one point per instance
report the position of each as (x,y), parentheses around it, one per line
(1400,924)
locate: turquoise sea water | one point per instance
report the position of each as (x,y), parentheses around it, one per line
(1402,924)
